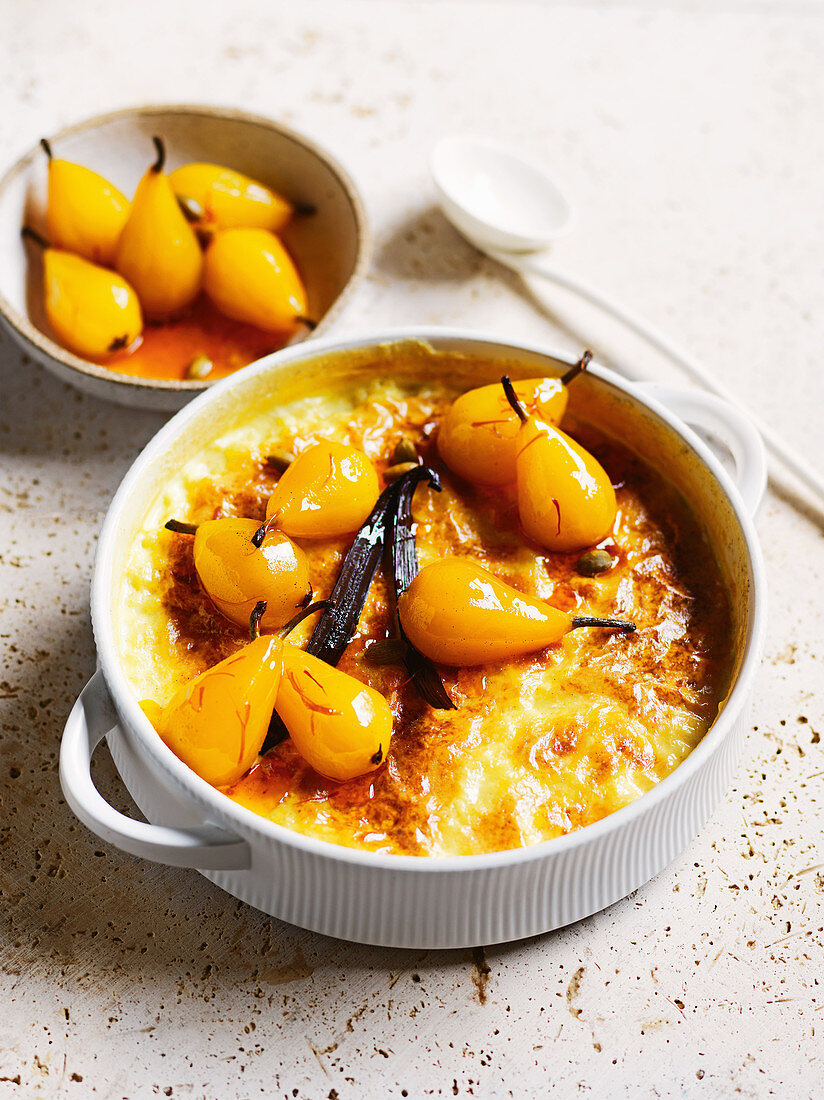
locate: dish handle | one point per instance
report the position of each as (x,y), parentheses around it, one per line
(719,421)
(206,847)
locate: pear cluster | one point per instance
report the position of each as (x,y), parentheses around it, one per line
(509,434)
(256,574)
(109,263)
(452,611)
(217,723)
(326,492)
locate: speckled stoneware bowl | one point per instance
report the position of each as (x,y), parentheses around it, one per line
(331,247)
(423,901)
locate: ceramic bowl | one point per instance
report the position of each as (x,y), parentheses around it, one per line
(331,247)
(413,901)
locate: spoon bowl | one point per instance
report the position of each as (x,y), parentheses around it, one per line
(495,198)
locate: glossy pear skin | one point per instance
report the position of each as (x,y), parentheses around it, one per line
(456,613)
(236,574)
(341,727)
(477,437)
(158,251)
(85,213)
(250,277)
(565,498)
(230,200)
(328,491)
(217,723)
(92,311)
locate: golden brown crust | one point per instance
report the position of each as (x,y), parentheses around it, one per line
(546,744)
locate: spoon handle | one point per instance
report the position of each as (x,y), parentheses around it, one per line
(788,455)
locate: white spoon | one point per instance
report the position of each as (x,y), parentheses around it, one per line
(511,210)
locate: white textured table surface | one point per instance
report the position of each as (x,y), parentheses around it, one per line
(692,137)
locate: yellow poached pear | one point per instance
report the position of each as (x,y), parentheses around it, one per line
(230,200)
(92,311)
(217,723)
(457,613)
(237,573)
(565,498)
(328,491)
(250,277)
(158,251)
(338,725)
(85,213)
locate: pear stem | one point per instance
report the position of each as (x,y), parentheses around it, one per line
(258,611)
(318,605)
(581,365)
(161,155)
(46,147)
(180,527)
(624,625)
(263,531)
(513,398)
(30,234)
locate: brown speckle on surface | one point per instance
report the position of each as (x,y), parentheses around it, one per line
(480,973)
(573,989)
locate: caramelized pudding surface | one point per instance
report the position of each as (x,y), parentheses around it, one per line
(537,747)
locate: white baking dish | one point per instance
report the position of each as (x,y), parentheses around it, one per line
(410,901)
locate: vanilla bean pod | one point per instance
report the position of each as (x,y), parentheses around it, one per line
(335,629)
(404,563)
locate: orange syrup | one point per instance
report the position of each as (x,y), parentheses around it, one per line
(166,348)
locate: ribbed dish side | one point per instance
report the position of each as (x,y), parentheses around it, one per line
(430,908)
